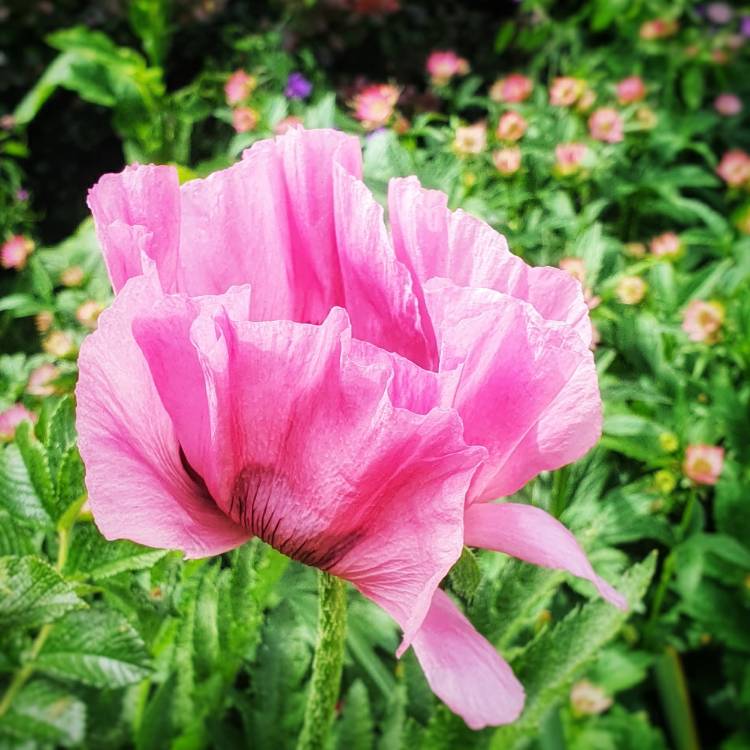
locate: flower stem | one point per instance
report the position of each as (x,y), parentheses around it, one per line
(327,663)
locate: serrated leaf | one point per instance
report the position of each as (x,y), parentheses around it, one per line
(465,576)
(61,433)
(95,647)
(551,662)
(14,538)
(32,593)
(47,713)
(69,484)
(354,730)
(17,493)
(93,556)
(35,459)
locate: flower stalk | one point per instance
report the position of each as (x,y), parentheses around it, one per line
(327,663)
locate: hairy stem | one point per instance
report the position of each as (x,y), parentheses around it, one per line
(327,663)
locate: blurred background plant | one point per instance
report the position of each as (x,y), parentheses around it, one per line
(607,137)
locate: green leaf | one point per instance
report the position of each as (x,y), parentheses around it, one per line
(47,713)
(93,556)
(150,21)
(60,434)
(96,647)
(35,459)
(692,86)
(355,727)
(14,539)
(552,661)
(17,493)
(465,576)
(32,593)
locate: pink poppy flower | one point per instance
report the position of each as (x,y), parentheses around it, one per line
(564,91)
(605,124)
(703,463)
(239,86)
(569,157)
(444,65)
(511,126)
(374,105)
(11,417)
(511,89)
(734,168)
(14,252)
(702,321)
(277,363)
(244,119)
(630,90)
(728,105)
(507,161)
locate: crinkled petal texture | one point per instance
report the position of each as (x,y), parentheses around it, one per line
(296,436)
(138,488)
(277,363)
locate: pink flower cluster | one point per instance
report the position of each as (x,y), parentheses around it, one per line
(375,104)
(443,65)
(15,251)
(512,89)
(277,363)
(734,168)
(237,89)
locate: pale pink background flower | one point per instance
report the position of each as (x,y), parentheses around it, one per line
(15,251)
(577,269)
(471,139)
(702,321)
(658,28)
(507,161)
(631,290)
(88,312)
(728,105)
(569,157)
(374,105)
(605,124)
(59,344)
(734,168)
(40,378)
(11,417)
(511,89)
(278,363)
(442,65)
(666,245)
(565,91)
(291,121)
(511,126)
(244,119)
(586,101)
(630,90)
(239,86)
(72,276)
(587,699)
(703,463)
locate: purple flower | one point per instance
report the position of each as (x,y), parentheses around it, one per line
(297,87)
(22,194)
(745,26)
